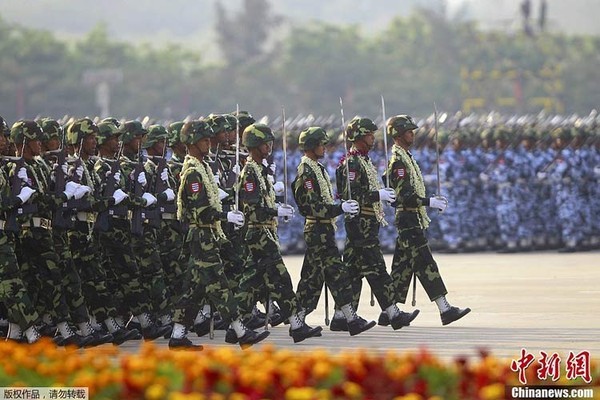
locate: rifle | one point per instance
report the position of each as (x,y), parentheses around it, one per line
(160,186)
(12,223)
(104,218)
(137,219)
(83,203)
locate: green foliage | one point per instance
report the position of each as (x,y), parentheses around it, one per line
(412,62)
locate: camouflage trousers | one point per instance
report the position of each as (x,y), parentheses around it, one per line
(265,269)
(413,256)
(232,254)
(122,272)
(170,241)
(86,257)
(71,281)
(366,261)
(322,264)
(205,279)
(150,266)
(13,295)
(40,270)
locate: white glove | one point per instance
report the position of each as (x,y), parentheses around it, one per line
(149,198)
(272,167)
(25,194)
(70,189)
(64,168)
(541,175)
(22,174)
(170,194)
(81,191)
(217,179)
(236,218)
(119,196)
(279,188)
(387,194)
(438,202)
(222,194)
(236,169)
(285,211)
(117,176)
(164,175)
(350,207)
(484,177)
(79,172)
(142,178)
(271,179)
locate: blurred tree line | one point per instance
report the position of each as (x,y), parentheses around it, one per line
(412,62)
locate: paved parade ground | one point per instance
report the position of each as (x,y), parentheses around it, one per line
(541,301)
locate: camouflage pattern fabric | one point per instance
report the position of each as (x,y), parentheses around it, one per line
(13,294)
(264,264)
(412,254)
(322,261)
(205,272)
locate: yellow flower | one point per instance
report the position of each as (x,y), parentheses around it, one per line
(352,389)
(156,392)
(301,393)
(492,392)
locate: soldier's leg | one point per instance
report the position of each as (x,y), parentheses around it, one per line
(312,275)
(352,260)
(402,270)
(170,241)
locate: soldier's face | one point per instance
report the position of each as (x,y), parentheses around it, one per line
(407,138)
(203,146)
(88,146)
(52,144)
(368,140)
(266,149)
(319,150)
(35,147)
(222,138)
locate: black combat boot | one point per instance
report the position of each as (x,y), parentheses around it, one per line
(453,314)
(338,324)
(384,319)
(403,319)
(304,332)
(359,325)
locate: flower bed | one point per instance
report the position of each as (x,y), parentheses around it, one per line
(263,373)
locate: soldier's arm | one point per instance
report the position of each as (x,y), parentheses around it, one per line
(250,197)
(307,195)
(359,183)
(198,208)
(402,184)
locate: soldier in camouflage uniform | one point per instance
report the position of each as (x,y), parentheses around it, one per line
(362,253)
(54,287)
(115,240)
(198,205)
(412,255)
(264,264)
(20,312)
(161,183)
(83,135)
(322,262)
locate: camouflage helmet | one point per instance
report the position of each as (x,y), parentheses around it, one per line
(232,121)
(312,137)
(256,134)
(399,124)
(5,131)
(245,119)
(51,128)
(112,120)
(131,129)
(359,127)
(174,133)
(156,133)
(25,129)
(218,123)
(80,129)
(106,130)
(192,131)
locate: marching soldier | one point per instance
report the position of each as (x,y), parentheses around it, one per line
(322,262)
(84,136)
(20,312)
(264,263)
(114,234)
(412,254)
(362,252)
(198,205)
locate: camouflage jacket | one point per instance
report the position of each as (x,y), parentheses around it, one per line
(407,181)
(93,201)
(153,178)
(308,193)
(195,194)
(128,165)
(175,166)
(364,228)
(257,196)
